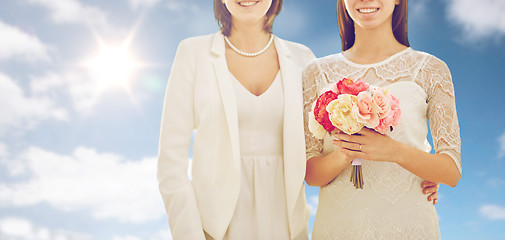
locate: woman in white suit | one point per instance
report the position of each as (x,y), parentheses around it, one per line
(241,90)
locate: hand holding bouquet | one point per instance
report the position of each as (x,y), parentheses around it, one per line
(349,106)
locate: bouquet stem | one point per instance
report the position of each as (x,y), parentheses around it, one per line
(356,174)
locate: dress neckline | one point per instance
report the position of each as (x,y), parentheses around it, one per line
(249,92)
(388,59)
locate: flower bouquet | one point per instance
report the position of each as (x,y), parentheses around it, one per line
(349,106)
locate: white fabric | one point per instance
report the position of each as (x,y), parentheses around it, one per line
(261,211)
(391,204)
(260,119)
(200,96)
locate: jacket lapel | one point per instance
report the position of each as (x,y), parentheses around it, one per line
(227,95)
(293,139)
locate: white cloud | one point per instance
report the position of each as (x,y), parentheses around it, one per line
(13,228)
(496,182)
(73,12)
(17,228)
(182,6)
(478,19)
(15,43)
(313,203)
(501,141)
(128,237)
(163,234)
(193,14)
(104,184)
(4,152)
(292,21)
(196,16)
(14,168)
(493,212)
(418,8)
(80,87)
(47,82)
(21,111)
(136,4)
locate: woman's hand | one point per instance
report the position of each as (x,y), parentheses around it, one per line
(373,146)
(321,170)
(338,150)
(368,144)
(431,189)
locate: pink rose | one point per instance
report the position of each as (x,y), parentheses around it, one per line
(388,120)
(383,102)
(382,128)
(396,111)
(395,102)
(385,124)
(397,116)
(348,86)
(367,110)
(390,113)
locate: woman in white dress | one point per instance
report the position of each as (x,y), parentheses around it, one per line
(241,90)
(390,205)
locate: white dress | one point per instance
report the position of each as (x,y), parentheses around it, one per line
(261,211)
(391,205)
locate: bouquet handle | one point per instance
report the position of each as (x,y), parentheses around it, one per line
(356,174)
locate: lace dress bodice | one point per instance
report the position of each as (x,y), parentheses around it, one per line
(391,205)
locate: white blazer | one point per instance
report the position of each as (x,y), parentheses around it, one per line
(200,96)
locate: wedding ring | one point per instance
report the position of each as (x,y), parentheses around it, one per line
(359,147)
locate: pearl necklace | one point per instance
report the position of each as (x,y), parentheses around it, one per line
(250,54)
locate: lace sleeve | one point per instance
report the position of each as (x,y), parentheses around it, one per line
(441,112)
(311,78)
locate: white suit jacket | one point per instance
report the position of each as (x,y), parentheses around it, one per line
(200,96)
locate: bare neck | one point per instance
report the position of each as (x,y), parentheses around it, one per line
(373,45)
(249,38)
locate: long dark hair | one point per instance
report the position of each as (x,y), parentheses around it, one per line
(346,24)
(223,16)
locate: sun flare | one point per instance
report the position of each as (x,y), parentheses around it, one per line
(112,66)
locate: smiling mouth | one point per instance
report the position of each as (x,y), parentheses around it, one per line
(247,3)
(368,10)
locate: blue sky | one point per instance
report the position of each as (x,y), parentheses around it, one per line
(78,147)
